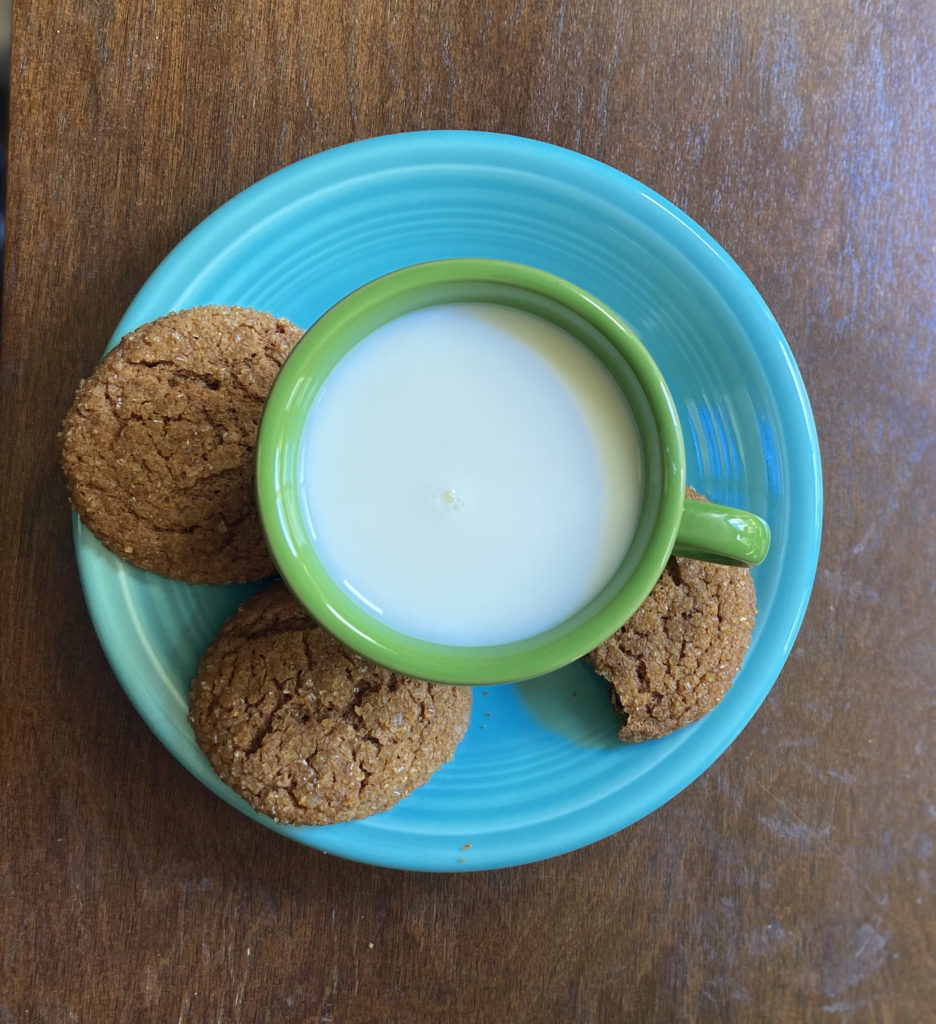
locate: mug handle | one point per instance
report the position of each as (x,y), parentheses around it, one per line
(717,533)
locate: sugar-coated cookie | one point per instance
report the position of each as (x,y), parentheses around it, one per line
(677,656)
(309,732)
(158,446)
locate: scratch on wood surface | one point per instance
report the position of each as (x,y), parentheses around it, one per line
(840,974)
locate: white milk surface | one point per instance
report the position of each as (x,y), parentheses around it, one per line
(472,474)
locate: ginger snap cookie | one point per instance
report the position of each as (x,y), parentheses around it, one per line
(158,445)
(677,656)
(309,732)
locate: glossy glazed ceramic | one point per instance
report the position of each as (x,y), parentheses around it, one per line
(540,771)
(729,534)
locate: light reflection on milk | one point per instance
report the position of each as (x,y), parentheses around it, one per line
(472,474)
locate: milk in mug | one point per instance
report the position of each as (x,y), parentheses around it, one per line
(471,474)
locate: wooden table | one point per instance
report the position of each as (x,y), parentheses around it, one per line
(793,881)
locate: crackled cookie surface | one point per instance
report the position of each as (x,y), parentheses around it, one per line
(677,656)
(307,731)
(158,445)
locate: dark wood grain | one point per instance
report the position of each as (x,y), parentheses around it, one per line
(792,882)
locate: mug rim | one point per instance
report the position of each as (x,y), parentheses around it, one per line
(279,493)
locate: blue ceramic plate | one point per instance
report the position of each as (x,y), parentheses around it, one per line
(540,771)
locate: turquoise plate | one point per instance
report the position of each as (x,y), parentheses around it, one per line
(540,771)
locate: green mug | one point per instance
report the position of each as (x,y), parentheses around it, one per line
(665,521)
